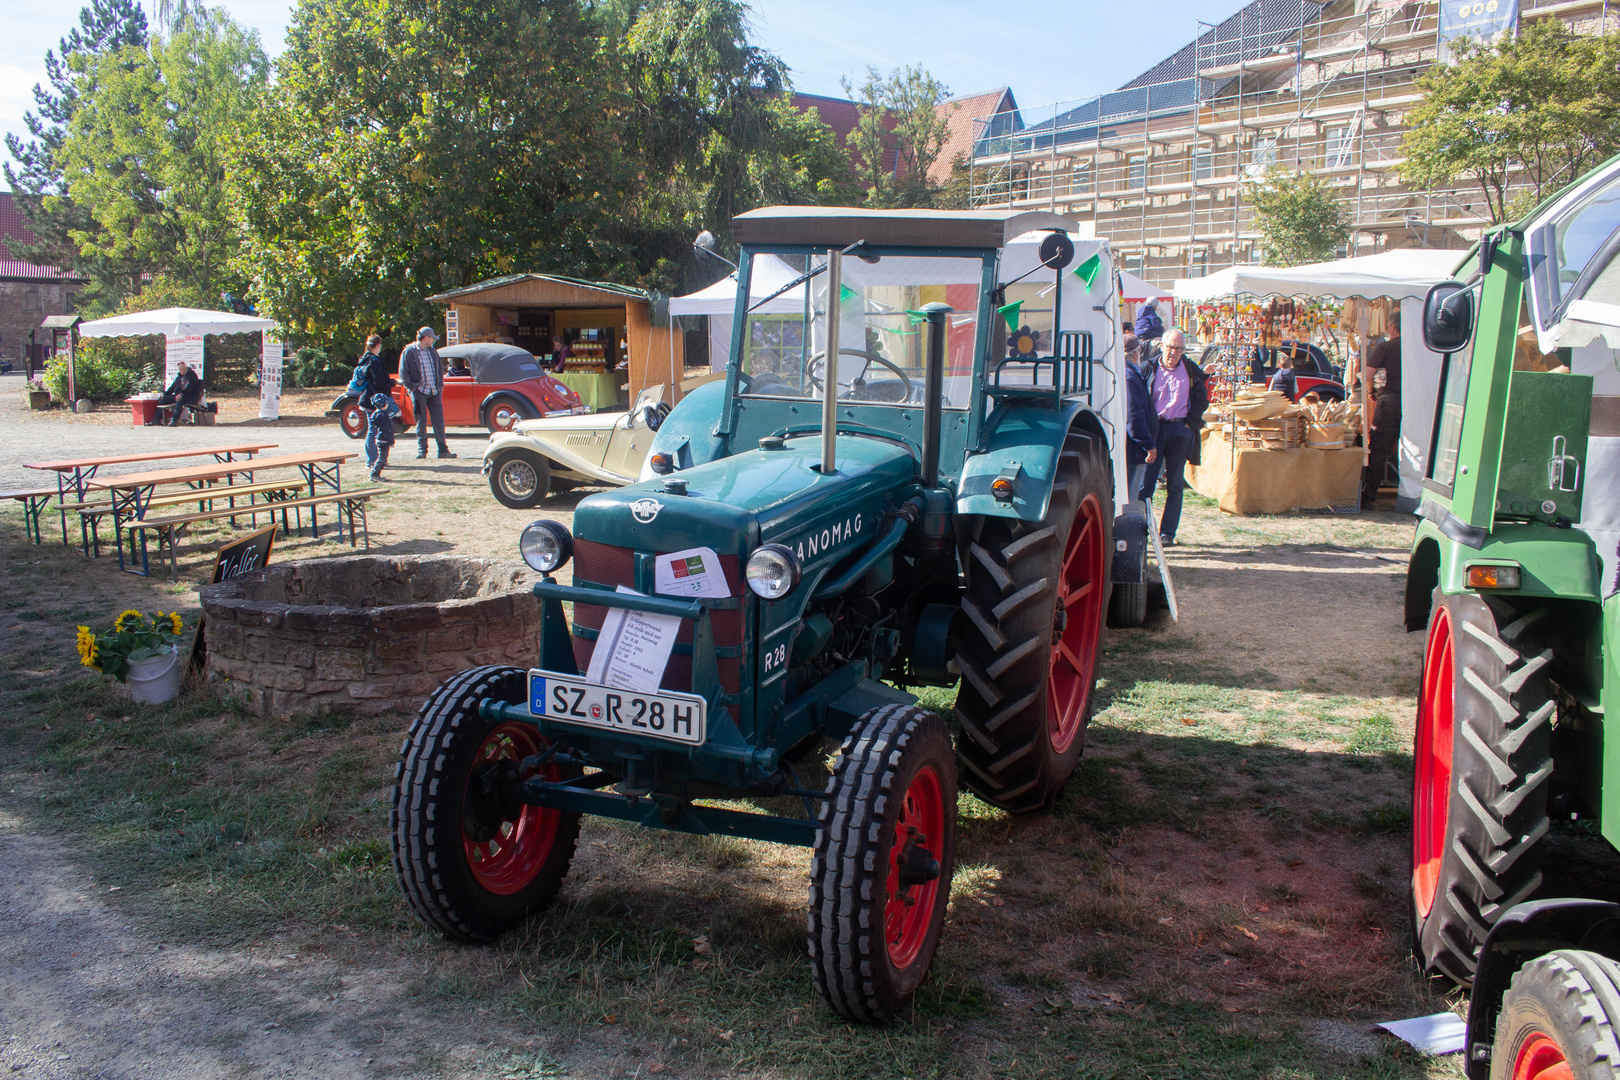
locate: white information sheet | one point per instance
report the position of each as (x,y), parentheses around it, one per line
(693,572)
(189,348)
(632,648)
(271,356)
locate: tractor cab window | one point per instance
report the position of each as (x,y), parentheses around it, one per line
(1566,242)
(881,332)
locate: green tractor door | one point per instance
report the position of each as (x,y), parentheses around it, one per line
(1544,446)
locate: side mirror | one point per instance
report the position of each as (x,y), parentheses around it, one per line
(1448,317)
(654,419)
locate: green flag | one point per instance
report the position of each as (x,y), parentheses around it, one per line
(1010,313)
(1087,271)
(916,317)
(845,294)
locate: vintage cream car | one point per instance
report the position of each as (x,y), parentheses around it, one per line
(556,453)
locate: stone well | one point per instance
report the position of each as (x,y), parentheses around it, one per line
(367,634)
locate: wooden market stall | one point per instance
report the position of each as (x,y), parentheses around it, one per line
(1258,460)
(617,351)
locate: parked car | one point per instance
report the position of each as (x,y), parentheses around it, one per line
(503,386)
(1313,372)
(560,452)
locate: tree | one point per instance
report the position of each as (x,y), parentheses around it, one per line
(146,154)
(1537,109)
(1299,219)
(899,136)
(105,26)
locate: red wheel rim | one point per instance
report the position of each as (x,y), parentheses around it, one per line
(503,418)
(1077,622)
(508,862)
(1431,784)
(354,421)
(1541,1059)
(908,910)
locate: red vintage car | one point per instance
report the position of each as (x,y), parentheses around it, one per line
(499,385)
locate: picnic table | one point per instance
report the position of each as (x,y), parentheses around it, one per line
(132,493)
(83,470)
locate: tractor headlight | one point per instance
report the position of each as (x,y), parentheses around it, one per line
(772,572)
(546,545)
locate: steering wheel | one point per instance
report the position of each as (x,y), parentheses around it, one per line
(809,369)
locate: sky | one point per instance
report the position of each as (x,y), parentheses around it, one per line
(1048,52)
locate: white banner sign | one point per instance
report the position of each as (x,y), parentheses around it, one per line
(452,327)
(271,357)
(188,348)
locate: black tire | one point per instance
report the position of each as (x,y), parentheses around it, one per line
(1128,607)
(438,819)
(1560,1007)
(1011,753)
(520,479)
(1478,823)
(507,412)
(351,418)
(895,770)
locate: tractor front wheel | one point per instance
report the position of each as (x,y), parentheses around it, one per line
(1033,628)
(1557,1020)
(884,855)
(473,863)
(1482,757)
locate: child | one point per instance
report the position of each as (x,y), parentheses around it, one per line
(380,418)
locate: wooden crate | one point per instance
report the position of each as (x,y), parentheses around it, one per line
(1278,433)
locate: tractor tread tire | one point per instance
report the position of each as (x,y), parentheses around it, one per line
(429,861)
(1572,997)
(1007,637)
(849,863)
(1501,762)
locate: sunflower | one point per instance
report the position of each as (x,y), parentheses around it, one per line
(174,621)
(86,644)
(118,623)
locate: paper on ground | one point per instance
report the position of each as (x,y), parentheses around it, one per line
(693,572)
(632,648)
(1442,1033)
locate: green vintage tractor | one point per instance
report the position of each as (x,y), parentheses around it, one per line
(909,477)
(1513,572)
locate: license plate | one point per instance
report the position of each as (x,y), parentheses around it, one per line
(664,715)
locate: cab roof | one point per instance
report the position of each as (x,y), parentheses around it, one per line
(840,226)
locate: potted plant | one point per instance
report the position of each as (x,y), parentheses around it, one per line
(140,651)
(39,398)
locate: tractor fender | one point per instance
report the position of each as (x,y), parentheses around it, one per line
(526,408)
(1022,443)
(1525,932)
(1559,563)
(688,432)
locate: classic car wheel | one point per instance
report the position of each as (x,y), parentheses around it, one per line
(506,413)
(520,479)
(352,419)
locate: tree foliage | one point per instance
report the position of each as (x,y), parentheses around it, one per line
(147,149)
(900,135)
(1299,219)
(1540,109)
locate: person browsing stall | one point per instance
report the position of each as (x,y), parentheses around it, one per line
(1178,390)
(422,372)
(184,392)
(1383,374)
(1141,425)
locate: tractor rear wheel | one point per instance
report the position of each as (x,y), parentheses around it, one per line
(1031,633)
(473,864)
(1557,1020)
(885,851)
(1482,758)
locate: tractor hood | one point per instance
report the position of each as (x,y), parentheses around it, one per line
(760,496)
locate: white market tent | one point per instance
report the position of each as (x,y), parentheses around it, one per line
(174,322)
(1404,274)
(1132,287)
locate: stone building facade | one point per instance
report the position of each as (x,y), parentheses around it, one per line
(28,293)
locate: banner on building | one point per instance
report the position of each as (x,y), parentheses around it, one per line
(187,348)
(272,356)
(1482,20)
(452,327)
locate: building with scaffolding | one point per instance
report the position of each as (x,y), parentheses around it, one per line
(1159,165)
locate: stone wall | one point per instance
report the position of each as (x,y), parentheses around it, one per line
(271,634)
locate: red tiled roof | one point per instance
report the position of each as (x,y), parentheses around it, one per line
(13,226)
(842,116)
(960,114)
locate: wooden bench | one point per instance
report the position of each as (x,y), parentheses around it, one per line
(348,502)
(33,502)
(275,491)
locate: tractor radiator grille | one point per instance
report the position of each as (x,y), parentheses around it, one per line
(602,564)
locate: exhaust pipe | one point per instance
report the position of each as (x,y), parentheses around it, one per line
(933,391)
(829,387)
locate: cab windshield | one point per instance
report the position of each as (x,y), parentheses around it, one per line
(881,333)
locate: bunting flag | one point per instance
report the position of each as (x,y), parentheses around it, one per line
(1087,271)
(916,317)
(845,294)
(1009,312)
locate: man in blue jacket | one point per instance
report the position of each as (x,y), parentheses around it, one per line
(1141,425)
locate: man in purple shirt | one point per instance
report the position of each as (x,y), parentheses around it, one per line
(1179,390)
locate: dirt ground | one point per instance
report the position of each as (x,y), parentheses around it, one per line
(193,892)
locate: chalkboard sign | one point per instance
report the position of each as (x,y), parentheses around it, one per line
(243,556)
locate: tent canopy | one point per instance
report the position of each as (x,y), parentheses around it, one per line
(175,322)
(1402,273)
(770,274)
(1132,287)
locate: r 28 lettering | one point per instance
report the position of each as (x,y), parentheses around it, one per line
(641,713)
(775,658)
